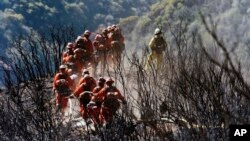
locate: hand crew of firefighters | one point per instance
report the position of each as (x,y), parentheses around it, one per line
(99,100)
(75,80)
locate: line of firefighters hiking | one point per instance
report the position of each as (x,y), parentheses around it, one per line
(98,100)
(106,47)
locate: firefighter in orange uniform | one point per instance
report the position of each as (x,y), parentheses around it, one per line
(84,93)
(91,80)
(109,107)
(62,86)
(75,62)
(98,99)
(68,52)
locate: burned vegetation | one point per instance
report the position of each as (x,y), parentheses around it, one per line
(196,94)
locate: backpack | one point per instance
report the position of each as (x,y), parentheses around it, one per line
(159,45)
(85,98)
(80,43)
(63,90)
(111,101)
(86,88)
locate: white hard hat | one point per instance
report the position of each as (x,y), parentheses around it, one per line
(85,71)
(62,67)
(87,32)
(157,31)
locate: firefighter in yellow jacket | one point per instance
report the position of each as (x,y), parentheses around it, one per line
(157,45)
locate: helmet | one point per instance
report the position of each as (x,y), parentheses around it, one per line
(109,28)
(62,67)
(87,32)
(101,79)
(104,31)
(110,81)
(85,71)
(98,37)
(113,26)
(157,31)
(78,38)
(70,45)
